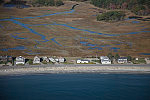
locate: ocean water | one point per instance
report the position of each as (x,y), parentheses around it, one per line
(84,86)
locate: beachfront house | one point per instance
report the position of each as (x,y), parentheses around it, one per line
(45,59)
(20,60)
(122,60)
(52,60)
(5,58)
(105,60)
(36,60)
(61,59)
(79,61)
(57,59)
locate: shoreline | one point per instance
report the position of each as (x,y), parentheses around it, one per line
(52,69)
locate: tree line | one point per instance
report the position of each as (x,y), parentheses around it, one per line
(139,7)
(79,0)
(47,3)
(35,3)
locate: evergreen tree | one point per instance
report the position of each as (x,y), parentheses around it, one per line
(110,56)
(117,56)
(129,58)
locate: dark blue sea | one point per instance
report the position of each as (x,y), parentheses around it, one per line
(75,87)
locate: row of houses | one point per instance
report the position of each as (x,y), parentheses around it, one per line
(38,60)
(103,60)
(57,60)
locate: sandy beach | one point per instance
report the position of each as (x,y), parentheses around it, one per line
(11,70)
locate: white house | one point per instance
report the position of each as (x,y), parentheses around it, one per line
(79,61)
(36,60)
(122,60)
(45,59)
(52,59)
(61,59)
(20,60)
(56,59)
(105,60)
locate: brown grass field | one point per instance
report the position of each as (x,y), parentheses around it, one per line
(65,41)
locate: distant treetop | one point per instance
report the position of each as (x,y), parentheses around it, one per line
(139,7)
(47,3)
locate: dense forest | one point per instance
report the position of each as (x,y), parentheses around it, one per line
(37,3)
(47,2)
(139,7)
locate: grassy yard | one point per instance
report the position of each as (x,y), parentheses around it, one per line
(139,61)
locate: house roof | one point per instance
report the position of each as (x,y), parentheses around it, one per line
(83,59)
(104,58)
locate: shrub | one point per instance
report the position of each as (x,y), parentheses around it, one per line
(111,16)
(129,58)
(49,3)
(140,61)
(110,56)
(59,3)
(117,56)
(30,61)
(140,10)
